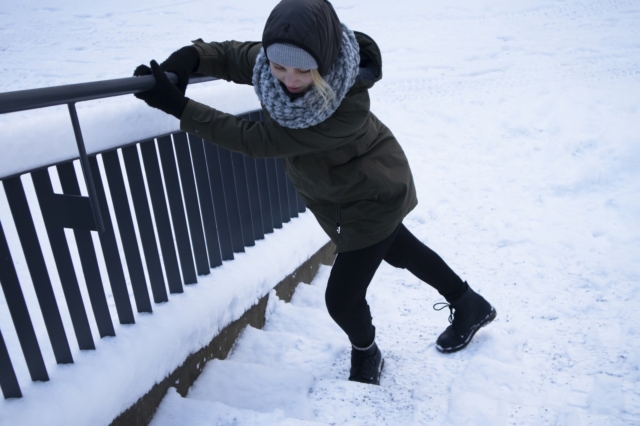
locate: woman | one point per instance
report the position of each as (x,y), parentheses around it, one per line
(312,76)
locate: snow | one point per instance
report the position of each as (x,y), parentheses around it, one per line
(521,124)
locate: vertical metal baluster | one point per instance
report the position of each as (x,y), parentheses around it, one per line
(274,193)
(161,215)
(8,380)
(230,193)
(191,203)
(19,313)
(145,224)
(301,206)
(219,200)
(62,257)
(254,197)
(293,200)
(284,192)
(172,185)
(263,191)
(124,217)
(37,269)
(111,253)
(242,192)
(206,202)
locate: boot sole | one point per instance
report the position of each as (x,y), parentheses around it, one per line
(486,321)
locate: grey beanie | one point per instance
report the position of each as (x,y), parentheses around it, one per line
(289,55)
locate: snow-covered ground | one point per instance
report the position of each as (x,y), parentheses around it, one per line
(521,121)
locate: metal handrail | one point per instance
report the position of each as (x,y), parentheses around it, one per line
(23,100)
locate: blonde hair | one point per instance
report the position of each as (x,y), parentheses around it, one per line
(324,91)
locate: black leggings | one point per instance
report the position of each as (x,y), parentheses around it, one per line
(353,271)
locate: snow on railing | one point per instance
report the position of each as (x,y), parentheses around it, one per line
(200,203)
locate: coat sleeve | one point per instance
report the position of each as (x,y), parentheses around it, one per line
(269,139)
(229,60)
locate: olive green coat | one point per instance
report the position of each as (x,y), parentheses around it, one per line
(349,170)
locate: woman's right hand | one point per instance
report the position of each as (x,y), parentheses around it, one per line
(182,63)
(164,96)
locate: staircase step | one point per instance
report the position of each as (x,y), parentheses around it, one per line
(343,402)
(322,277)
(307,322)
(178,411)
(255,387)
(278,349)
(309,296)
(312,295)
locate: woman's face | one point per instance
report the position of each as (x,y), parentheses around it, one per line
(297,80)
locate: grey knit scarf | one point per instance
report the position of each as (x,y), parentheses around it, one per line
(307,111)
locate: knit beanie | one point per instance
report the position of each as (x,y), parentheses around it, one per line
(309,25)
(289,55)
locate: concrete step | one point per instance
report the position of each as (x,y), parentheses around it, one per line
(178,411)
(279,349)
(312,295)
(343,402)
(304,321)
(255,387)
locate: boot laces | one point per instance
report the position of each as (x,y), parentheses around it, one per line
(445,305)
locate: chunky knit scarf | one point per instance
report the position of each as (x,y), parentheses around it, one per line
(307,111)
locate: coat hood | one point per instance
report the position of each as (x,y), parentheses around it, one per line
(309,24)
(370,67)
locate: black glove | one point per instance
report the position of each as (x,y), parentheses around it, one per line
(164,96)
(182,63)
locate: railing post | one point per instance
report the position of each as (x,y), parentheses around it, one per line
(86,170)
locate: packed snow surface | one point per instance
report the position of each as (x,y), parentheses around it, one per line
(521,122)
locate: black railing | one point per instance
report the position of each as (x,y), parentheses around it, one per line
(219,202)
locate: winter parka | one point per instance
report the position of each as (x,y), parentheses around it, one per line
(349,170)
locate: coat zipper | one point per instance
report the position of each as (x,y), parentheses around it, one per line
(338,218)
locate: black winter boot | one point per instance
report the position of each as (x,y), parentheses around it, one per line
(468,313)
(366,365)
